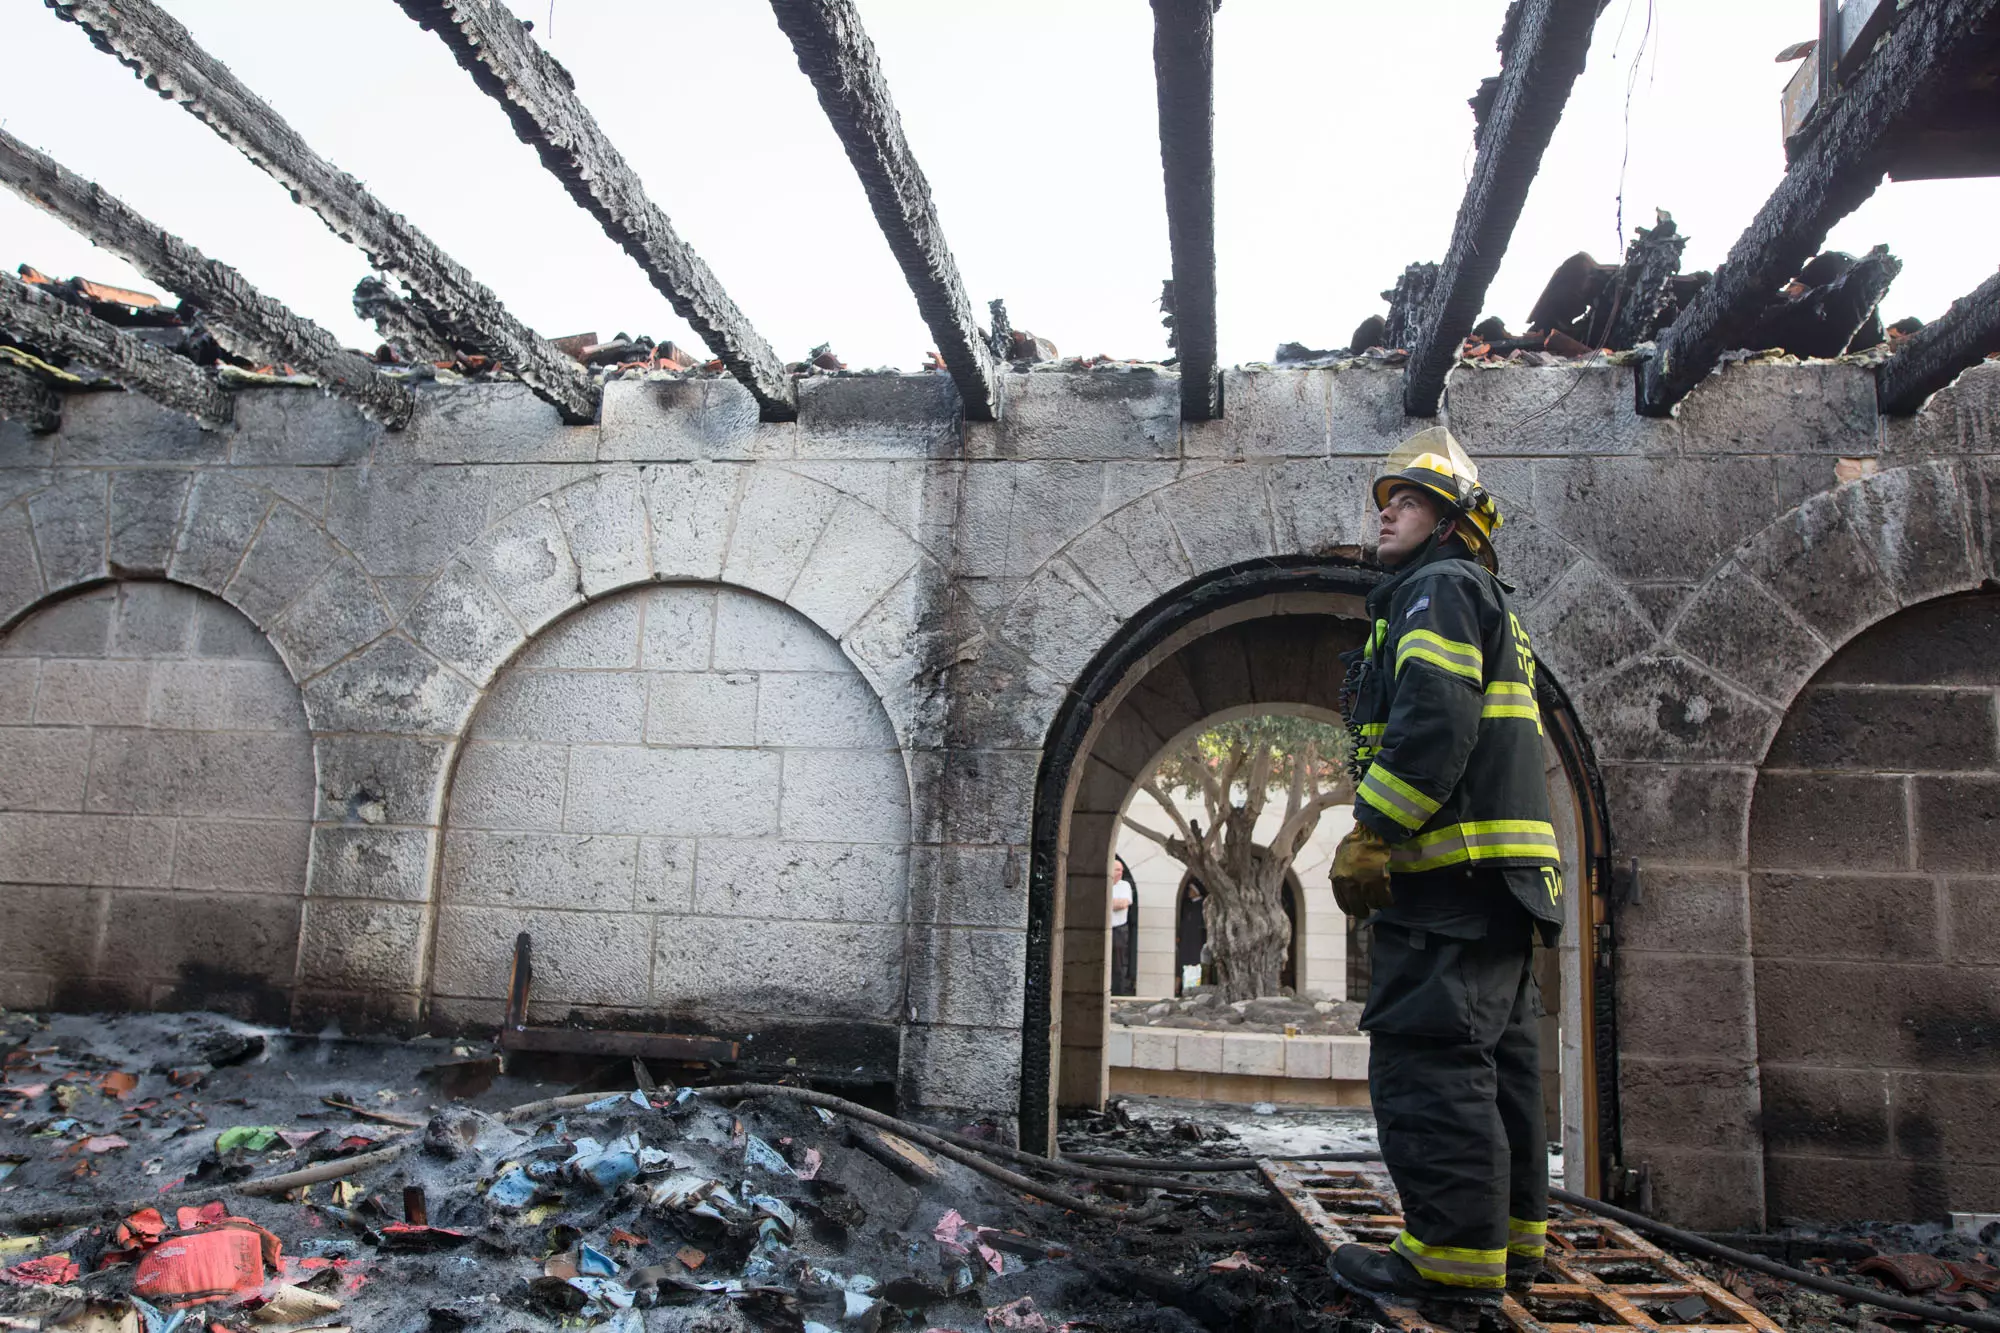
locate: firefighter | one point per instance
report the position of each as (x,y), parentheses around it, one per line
(1454,854)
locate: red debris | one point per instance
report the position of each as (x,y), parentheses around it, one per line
(50,1268)
(1911,1272)
(203,1266)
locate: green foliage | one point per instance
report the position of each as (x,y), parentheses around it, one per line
(1288,737)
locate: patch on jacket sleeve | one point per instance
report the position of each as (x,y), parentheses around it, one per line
(1422,603)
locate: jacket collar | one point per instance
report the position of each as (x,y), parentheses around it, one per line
(1452,548)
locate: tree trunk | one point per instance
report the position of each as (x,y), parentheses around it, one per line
(1248,930)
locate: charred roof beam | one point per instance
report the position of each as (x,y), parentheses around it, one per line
(251,323)
(1550,40)
(28,397)
(161,52)
(52,326)
(835,53)
(1184,71)
(1934,355)
(540,100)
(1918,65)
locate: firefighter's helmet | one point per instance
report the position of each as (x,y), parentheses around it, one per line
(1433,461)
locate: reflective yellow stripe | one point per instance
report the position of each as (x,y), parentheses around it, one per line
(1527,1239)
(1453,1265)
(1525,708)
(1459,658)
(1516,1227)
(1511,687)
(1373,729)
(1528,1249)
(1527,711)
(1396,798)
(1477,840)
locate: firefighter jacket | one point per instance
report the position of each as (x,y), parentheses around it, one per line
(1448,734)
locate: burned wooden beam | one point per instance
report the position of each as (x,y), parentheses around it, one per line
(835,53)
(1920,62)
(400,323)
(540,100)
(52,326)
(1935,354)
(1550,39)
(1184,71)
(249,323)
(161,52)
(28,397)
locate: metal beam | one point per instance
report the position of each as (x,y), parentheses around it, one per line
(1934,355)
(540,100)
(835,53)
(1551,39)
(1908,74)
(53,327)
(1184,73)
(248,322)
(161,52)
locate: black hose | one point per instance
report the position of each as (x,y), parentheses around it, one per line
(1687,1240)
(1214,1163)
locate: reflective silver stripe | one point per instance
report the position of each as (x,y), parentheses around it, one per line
(1432,1265)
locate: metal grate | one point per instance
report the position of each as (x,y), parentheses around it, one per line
(1598,1274)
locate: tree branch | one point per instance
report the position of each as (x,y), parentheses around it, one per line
(1152,789)
(1292,836)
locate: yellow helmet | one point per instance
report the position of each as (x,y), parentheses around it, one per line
(1433,461)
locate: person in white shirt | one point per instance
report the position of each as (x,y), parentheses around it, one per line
(1123,963)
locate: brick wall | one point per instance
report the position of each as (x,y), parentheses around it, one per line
(1875,873)
(156,791)
(695,805)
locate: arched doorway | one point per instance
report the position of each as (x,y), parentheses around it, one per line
(1190,650)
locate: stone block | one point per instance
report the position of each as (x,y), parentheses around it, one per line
(304,487)
(20,573)
(289,552)
(1655,517)
(1347,1058)
(43,768)
(1737,628)
(1954,641)
(17,690)
(1267,413)
(1308,1057)
(691,508)
(1690,813)
(679,633)
(586,958)
(1058,621)
(290,426)
(380,779)
(693,708)
(340,612)
(969,886)
(50,929)
(1366,410)
(71,518)
(1133,556)
(256,774)
(1118,1047)
(226,943)
(822,789)
(1833,1112)
(963,1068)
(211,695)
(1321,505)
(1083,416)
(1257,1054)
(1708,1191)
(1866,1015)
(464,622)
(1659,1100)
(85,849)
(131,428)
(1198,1052)
(988,795)
(778,522)
(1687,911)
(684,793)
(1957,818)
(501,786)
(1845,727)
(883,416)
(1554,411)
(1153,1048)
(821,711)
(1971,908)
(1845,916)
(1664,707)
(1832,821)
(966,976)
(1844,1189)
(1685,1007)
(1584,626)
(406,519)
(1914,521)
(1816,408)
(527,870)
(223,515)
(753,634)
(568,707)
(1947,1116)
(1533,558)
(526,560)
(392,864)
(670,420)
(76,625)
(1013,516)
(803,881)
(486,423)
(363,945)
(392,686)
(859,557)
(1222,516)
(603,635)
(90,693)
(722,965)
(605,518)
(156,620)
(665,880)
(145,514)
(242,855)
(1812,560)
(1958,419)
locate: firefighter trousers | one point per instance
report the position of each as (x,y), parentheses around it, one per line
(1454,1072)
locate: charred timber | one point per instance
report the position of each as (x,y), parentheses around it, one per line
(248,322)
(1184,70)
(539,98)
(1406,303)
(161,52)
(1934,355)
(401,323)
(29,398)
(1824,319)
(1551,38)
(836,54)
(52,327)
(1916,67)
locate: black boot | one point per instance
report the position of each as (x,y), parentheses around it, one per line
(1522,1273)
(1377,1273)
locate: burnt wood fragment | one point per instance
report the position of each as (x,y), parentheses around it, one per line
(540,100)
(401,322)
(1908,75)
(836,54)
(1935,354)
(1406,304)
(1823,319)
(246,321)
(1640,293)
(1544,46)
(1184,72)
(162,53)
(51,327)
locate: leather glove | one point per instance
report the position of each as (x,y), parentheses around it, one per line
(1361,872)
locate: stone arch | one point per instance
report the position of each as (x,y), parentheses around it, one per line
(697,805)
(156,802)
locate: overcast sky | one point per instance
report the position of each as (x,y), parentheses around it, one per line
(1343,143)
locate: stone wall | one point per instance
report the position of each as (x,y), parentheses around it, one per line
(1683,579)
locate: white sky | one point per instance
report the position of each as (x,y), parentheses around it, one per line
(1343,142)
